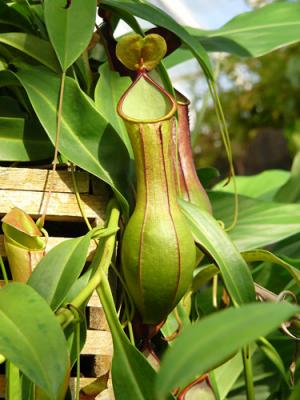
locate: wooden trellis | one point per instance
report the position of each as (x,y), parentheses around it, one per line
(26,188)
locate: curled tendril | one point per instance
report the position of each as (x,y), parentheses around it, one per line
(263,294)
(178,329)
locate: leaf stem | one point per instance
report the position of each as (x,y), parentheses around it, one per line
(248,373)
(66,316)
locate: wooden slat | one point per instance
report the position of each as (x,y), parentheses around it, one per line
(52,242)
(62,206)
(105,395)
(96,319)
(94,301)
(40,179)
(98,343)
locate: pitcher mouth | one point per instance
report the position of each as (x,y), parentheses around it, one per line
(165,97)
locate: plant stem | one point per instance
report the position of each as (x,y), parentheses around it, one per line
(3,270)
(66,316)
(248,373)
(77,391)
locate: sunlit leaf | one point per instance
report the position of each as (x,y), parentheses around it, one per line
(86,137)
(58,270)
(70,28)
(33,46)
(261,186)
(108,91)
(260,223)
(23,140)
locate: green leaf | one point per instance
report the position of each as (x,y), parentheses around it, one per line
(269,350)
(259,223)
(251,34)
(23,140)
(70,28)
(158,17)
(290,192)
(263,185)
(234,270)
(35,47)
(9,16)
(203,275)
(255,33)
(58,270)
(109,89)
(86,137)
(227,373)
(230,330)
(264,255)
(133,377)
(32,339)
(295,395)
(206,175)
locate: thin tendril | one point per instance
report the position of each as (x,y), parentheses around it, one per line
(215,291)
(78,198)
(57,139)
(119,276)
(77,317)
(227,145)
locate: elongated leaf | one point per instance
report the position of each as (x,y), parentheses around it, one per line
(227,374)
(261,186)
(269,350)
(264,255)
(58,270)
(215,241)
(22,140)
(158,17)
(256,33)
(86,137)
(9,16)
(230,330)
(32,339)
(109,89)
(259,223)
(250,34)
(70,28)
(133,377)
(33,46)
